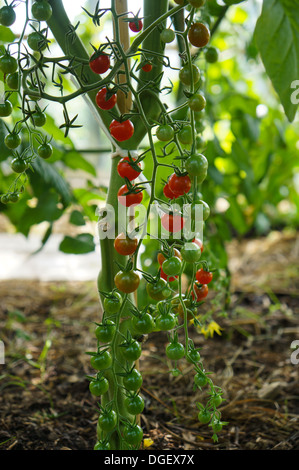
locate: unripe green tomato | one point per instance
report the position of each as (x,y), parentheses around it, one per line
(8,64)
(185,135)
(205,209)
(134,405)
(165,133)
(7,16)
(211,55)
(200,380)
(204,416)
(5,109)
(18,165)
(144,324)
(108,420)
(190,252)
(112,304)
(12,80)
(133,380)
(5,198)
(13,197)
(197,165)
(197,102)
(100,445)
(172,266)
(193,356)
(105,332)
(175,351)
(185,74)
(39,118)
(41,10)
(101,361)
(99,387)
(12,141)
(45,150)
(167,35)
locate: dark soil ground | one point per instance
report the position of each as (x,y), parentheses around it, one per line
(47,327)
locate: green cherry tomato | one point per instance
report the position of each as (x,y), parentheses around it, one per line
(5,109)
(216,426)
(12,141)
(131,351)
(14,197)
(172,266)
(200,380)
(190,252)
(105,332)
(205,209)
(167,35)
(204,416)
(41,10)
(159,290)
(143,324)
(12,80)
(36,41)
(193,356)
(197,102)
(134,405)
(211,55)
(197,165)
(7,16)
(133,380)
(99,387)
(101,361)
(166,322)
(101,445)
(175,351)
(45,150)
(185,74)
(165,133)
(5,199)
(127,281)
(185,135)
(19,165)
(8,64)
(216,400)
(113,303)
(107,420)
(39,119)
(133,434)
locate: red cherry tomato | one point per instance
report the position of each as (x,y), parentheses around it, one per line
(130,199)
(204,277)
(125,245)
(99,63)
(125,170)
(172,223)
(200,291)
(168,193)
(161,258)
(199,243)
(121,130)
(102,102)
(135,25)
(167,278)
(179,185)
(147,67)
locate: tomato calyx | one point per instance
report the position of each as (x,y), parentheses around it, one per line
(135,22)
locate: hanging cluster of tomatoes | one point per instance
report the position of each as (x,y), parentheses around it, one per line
(170,308)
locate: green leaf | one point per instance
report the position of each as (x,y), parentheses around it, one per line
(277,38)
(6,34)
(75,161)
(76,218)
(81,244)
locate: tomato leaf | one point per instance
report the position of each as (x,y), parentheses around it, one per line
(81,244)
(277,38)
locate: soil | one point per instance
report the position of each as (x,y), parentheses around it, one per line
(46,328)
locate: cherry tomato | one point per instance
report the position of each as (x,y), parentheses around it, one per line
(165,133)
(179,184)
(193,356)
(167,35)
(130,199)
(166,322)
(121,130)
(134,405)
(216,400)
(190,252)
(13,197)
(204,277)
(185,74)
(12,81)
(36,41)
(131,351)
(5,109)
(113,303)
(127,281)
(143,324)
(166,277)
(204,416)
(101,361)
(172,266)
(125,245)
(198,35)
(107,420)
(12,141)
(200,380)
(161,258)
(185,135)
(199,243)
(175,351)
(197,165)
(5,199)
(8,64)
(105,331)
(211,55)
(172,223)
(168,193)
(99,387)
(158,290)
(41,10)
(205,209)
(39,118)
(7,16)
(19,165)
(147,67)
(200,291)
(133,380)
(136,25)
(104,103)
(99,62)
(125,170)
(133,434)
(197,102)
(45,150)
(216,426)
(189,307)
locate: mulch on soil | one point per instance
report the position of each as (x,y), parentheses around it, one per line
(47,328)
